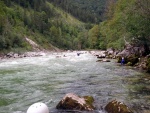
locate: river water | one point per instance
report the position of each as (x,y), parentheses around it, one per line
(48,78)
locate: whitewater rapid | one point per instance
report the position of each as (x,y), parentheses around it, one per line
(24,81)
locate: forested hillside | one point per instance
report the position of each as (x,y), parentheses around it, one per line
(39,21)
(97,24)
(126,19)
(85,10)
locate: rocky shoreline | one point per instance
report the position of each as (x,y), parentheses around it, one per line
(26,54)
(135,56)
(131,59)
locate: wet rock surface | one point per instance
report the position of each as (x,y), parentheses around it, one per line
(73,102)
(117,107)
(103,60)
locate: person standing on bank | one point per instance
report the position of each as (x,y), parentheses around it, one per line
(122,61)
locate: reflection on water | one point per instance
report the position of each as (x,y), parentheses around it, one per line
(48,78)
(139,88)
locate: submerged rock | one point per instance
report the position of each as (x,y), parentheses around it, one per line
(106,60)
(103,60)
(117,107)
(74,102)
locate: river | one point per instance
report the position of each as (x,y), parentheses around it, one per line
(48,78)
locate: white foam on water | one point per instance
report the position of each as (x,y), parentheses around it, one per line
(75,58)
(26,61)
(57,65)
(18,112)
(47,78)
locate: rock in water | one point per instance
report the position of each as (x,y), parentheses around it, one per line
(74,102)
(38,108)
(117,107)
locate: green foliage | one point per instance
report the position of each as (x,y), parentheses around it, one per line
(85,10)
(47,24)
(2,17)
(138,21)
(128,19)
(41,21)
(93,37)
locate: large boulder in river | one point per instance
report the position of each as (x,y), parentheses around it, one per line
(131,54)
(74,102)
(117,107)
(133,49)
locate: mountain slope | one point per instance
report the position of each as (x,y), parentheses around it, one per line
(85,10)
(43,23)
